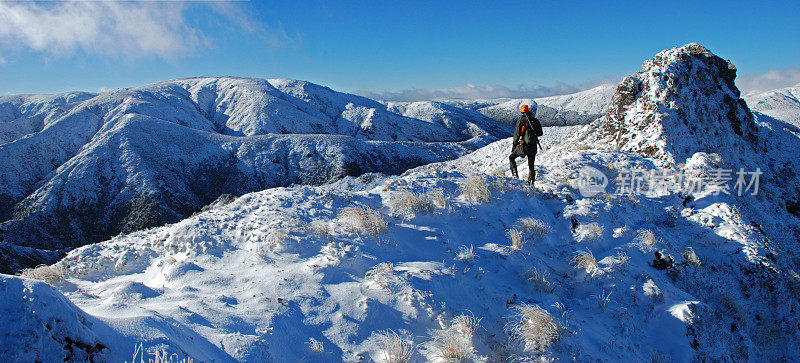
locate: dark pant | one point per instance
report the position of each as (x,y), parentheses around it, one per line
(531,160)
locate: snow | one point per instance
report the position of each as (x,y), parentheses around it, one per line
(286,274)
(123,160)
(578,108)
(782,104)
(591,101)
(42,325)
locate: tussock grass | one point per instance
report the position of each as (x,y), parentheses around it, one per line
(407,204)
(394,348)
(363,219)
(690,257)
(533,326)
(48,274)
(589,232)
(535,228)
(646,238)
(320,228)
(466,324)
(466,254)
(476,190)
(602,300)
(452,348)
(382,275)
(517,238)
(540,280)
(585,260)
(315,346)
(273,241)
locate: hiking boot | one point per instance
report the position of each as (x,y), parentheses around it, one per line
(514,173)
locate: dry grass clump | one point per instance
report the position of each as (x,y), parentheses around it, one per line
(617,260)
(466,253)
(690,257)
(455,343)
(585,260)
(395,348)
(533,326)
(407,204)
(466,324)
(48,274)
(382,275)
(315,346)
(603,299)
(535,228)
(320,228)
(272,241)
(540,280)
(646,238)
(517,239)
(363,219)
(452,348)
(476,190)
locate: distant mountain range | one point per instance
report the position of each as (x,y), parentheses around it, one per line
(82,167)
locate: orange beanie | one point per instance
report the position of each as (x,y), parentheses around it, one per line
(524,108)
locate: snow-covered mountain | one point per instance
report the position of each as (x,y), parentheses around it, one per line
(81,167)
(578,108)
(782,104)
(456,261)
(592,101)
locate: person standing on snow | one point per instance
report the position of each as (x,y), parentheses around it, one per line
(526,139)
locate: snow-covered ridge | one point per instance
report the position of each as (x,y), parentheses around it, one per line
(578,108)
(323,273)
(593,101)
(782,104)
(122,160)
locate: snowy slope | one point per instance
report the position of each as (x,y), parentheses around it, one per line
(782,104)
(41,325)
(297,274)
(572,109)
(80,168)
(593,101)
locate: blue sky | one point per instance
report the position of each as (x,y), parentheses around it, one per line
(398,49)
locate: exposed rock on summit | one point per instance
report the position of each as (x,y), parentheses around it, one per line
(685,93)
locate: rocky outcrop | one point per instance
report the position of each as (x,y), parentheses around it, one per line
(682,101)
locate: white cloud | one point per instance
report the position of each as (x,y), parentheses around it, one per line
(770,80)
(472,91)
(123,29)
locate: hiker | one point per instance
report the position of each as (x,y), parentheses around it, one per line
(526,139)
